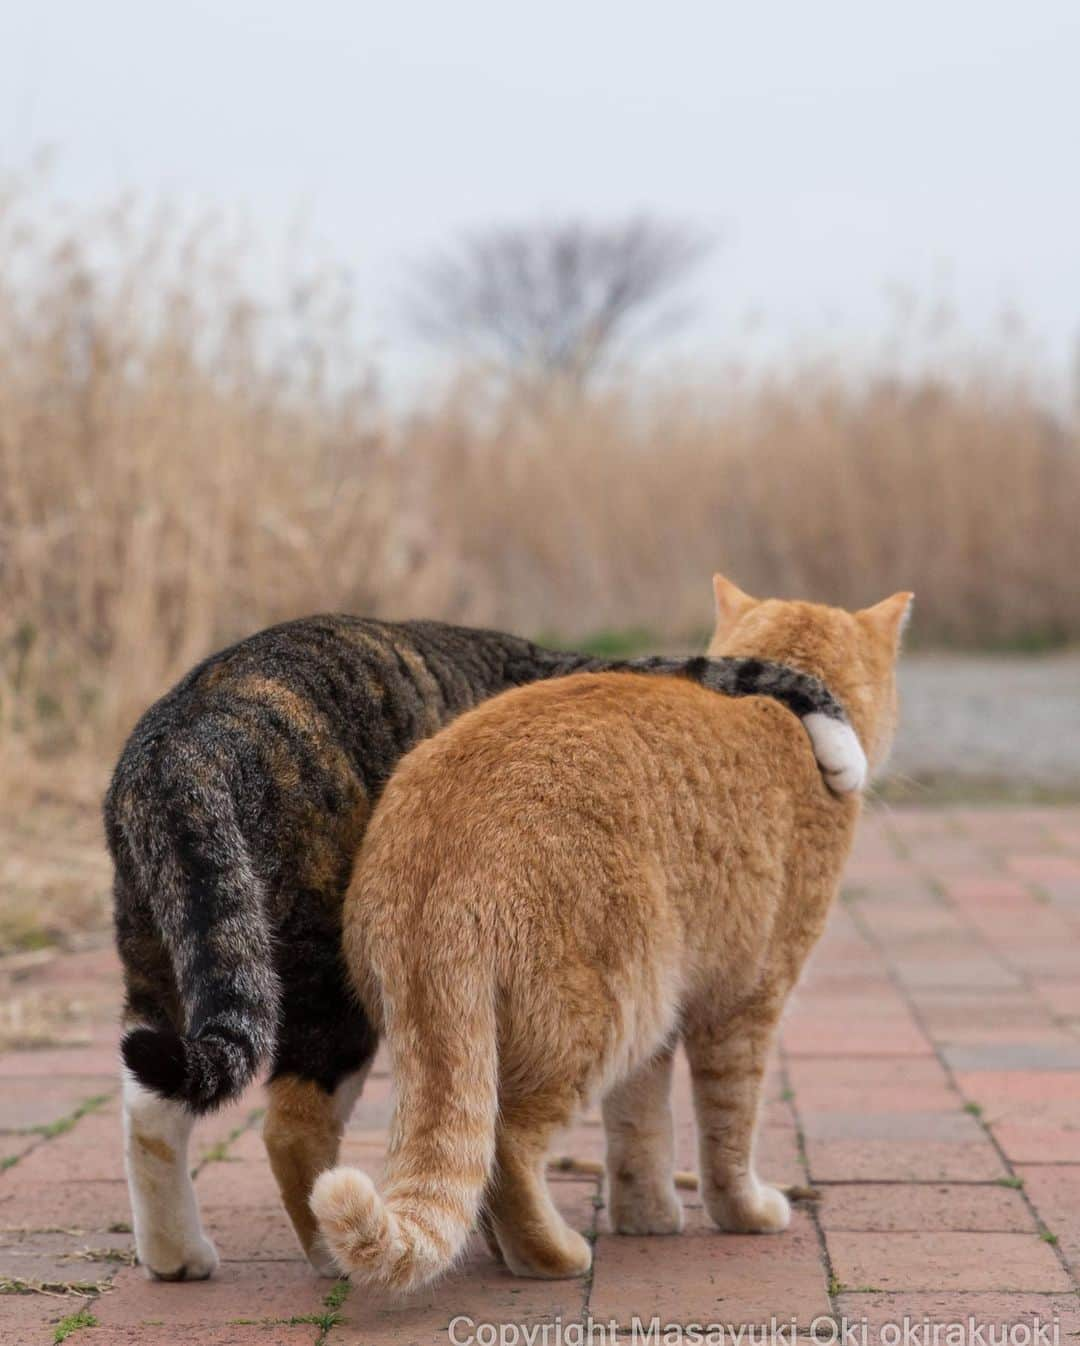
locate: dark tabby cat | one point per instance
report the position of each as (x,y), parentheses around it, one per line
(233,818)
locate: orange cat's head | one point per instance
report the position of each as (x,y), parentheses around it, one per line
(854,653)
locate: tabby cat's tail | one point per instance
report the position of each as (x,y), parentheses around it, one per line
(442,1035)
(190,873)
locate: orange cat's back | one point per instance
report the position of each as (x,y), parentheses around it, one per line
(564,791)
(615,736)
(553,891)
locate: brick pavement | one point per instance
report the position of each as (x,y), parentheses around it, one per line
(927,1084)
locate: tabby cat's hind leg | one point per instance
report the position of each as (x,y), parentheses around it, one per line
(302,1131)
(641,1152)
(325,1047)
(534,1238)
(168,1235)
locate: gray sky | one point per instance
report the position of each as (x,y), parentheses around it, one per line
(839,148)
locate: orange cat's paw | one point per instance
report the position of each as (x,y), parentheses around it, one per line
(635,1210)
(759,1209)
(547,1254)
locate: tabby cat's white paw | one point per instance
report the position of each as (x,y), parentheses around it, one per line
(196,1262)
(838,751)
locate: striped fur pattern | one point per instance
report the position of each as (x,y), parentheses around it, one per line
(550,893)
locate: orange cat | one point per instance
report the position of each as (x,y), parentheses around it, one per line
(555,890)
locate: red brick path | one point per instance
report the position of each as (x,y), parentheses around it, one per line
(928,1083)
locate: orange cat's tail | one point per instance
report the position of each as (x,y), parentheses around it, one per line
(442,1034)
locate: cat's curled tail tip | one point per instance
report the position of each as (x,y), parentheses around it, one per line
(839,753)
(362,1235)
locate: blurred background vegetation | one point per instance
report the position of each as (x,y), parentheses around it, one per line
(184,459)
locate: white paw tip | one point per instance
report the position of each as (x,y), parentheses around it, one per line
(195,1264)
(778,1209)
(838,751)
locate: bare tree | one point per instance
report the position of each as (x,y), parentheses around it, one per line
(554,301)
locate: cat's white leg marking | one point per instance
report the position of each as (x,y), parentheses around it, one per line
(348,1091)
(168,1236)
(838,751)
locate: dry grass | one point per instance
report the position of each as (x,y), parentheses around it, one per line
(180,465)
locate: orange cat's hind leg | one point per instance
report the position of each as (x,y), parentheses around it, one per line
(727,1064)
(534,1238)
(641,1152)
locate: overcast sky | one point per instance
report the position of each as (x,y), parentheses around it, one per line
(838,149)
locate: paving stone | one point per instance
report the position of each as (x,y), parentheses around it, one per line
(91,1151)
(63,1205)
(942,1261)
(971,1034)
(985,1309)
(711,1277)
(1014,1056)
(58,1061)
(885,874)
(866,1072)
(1022,1088)
(986,889)
(945,855)
(863,1099)
(777,1152)
(980,970)
(251,1233)
(1037,868)
(13,1147)
(259,1290)
(36,1101)
(1045,963)
(219,1128)
(955,1127)
(914,1207)
(902,1161)
(1064,894)
(1039,1141)
(854,1038)
(58,1257)
(375,1107)
(26,1320)
(237,1334)
(237,1184)
(1063,999)
(1054,1191)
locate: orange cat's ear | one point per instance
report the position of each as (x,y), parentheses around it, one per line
(889,617)
(731,603)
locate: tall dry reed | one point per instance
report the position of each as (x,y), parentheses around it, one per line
(181,463)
